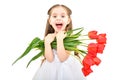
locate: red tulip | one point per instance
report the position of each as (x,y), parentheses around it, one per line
(96,60)
(92,34)
(87,71)
(101,48)
(92,48)
(101,39)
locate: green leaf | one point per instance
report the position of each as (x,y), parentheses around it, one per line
(73,43)
(70,48)
(78,33)
(83,51)
(36,57)
(72,36)
(33,43)
(71,31)
(40,45)
(54,44)
(68,39)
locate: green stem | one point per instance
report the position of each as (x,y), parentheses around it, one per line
(85,45)
(84,39)
(84,35)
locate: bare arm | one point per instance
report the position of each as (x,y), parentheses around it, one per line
(62,53)
(48,50)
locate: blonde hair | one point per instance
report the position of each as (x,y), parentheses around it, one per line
(49,28)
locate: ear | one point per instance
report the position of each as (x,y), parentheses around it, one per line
(49,21)
(68,21)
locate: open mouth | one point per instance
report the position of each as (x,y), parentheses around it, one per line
(59,26)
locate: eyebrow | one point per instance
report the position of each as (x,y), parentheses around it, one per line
(60,14)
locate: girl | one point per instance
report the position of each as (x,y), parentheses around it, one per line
(58,63)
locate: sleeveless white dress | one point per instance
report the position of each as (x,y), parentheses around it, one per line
(56,70)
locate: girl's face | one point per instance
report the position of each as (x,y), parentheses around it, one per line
(59,19)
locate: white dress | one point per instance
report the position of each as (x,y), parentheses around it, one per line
(56,70)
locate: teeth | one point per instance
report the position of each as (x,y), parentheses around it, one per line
(58,24)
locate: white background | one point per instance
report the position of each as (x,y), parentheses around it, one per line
(22,20)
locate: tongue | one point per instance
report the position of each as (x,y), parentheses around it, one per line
(59,26)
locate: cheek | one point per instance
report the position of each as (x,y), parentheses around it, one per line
(50,21)
(66,21)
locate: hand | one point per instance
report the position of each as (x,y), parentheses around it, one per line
(49,38)
(60,35)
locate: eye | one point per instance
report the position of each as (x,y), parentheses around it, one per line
(62,16)
(54,16)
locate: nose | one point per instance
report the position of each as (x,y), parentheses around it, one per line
(58,18)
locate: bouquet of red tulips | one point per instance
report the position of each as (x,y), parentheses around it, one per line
(92,49)
(87,46)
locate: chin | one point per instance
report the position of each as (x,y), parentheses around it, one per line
(57,30)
